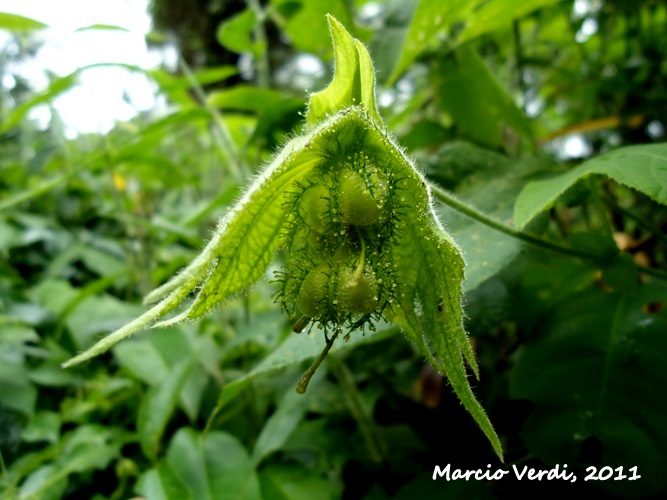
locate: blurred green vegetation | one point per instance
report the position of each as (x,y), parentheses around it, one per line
(485,96)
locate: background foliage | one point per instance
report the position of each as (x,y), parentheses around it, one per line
(483,95)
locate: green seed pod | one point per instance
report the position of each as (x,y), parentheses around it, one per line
(314,291)
(314,208)
(359,205)
(357,292)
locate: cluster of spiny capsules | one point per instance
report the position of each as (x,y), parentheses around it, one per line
(341,224)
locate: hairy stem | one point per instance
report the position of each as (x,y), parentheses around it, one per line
(462,207)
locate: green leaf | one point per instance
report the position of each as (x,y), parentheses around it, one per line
(14,22)
(57,87)
(593,371)
(246,98)
(643,168)
(155,358)
(212,467)
(44,426)
(290,481)
(427,30)
(87,448)
(235,33)
(158,406)
(280,425)
(102,27)
(41,188)
(16,390)
(305,24)
(98,314)
(40,484)
(490,182)
(471,95)
(162,483)
(497,15)
(430,311)
(431,24)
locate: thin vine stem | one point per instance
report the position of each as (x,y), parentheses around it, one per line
(462,207)
(223,139)
(641,222)
(261,54)
(355,404)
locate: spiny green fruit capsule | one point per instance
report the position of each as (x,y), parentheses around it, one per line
(360,203)
(338,291)
(314,291)
(357,291)
(314,207)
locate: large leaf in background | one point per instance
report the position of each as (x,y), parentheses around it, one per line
(155,358)
(289,411)
(386,43)
(471,95)
(246,98)
(14,22)
(291,481)
(202,467)
(643,168)
(158,406)
(489,16)
(83,450)
(427,30)
(596,373)
(489,181)
(304,21)
(235,33)
(16,390)
(432,21)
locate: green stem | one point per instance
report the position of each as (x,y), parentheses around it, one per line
(3,467)
(599,207)
(261,53)
(460,206)
(224,142)
(305,380)
(640,222)
(356,406)
(473,213)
